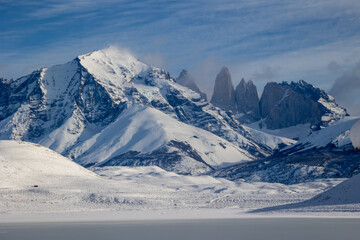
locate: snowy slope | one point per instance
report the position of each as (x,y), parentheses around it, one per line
(273,141)
(26,164)
(296,132)
(337,134)
(346,192)
(144,130)
(113,68)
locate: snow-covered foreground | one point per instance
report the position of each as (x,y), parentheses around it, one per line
(39,182)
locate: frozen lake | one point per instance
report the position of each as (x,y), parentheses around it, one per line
(249,229)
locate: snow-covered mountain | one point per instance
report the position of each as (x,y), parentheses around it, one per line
(327,153)
(25,165)
(108,108)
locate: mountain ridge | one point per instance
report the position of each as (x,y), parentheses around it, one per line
(64,106)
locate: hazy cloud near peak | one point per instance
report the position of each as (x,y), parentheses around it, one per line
(154,59)
(334,66)
(204,73)
(346,90)
(266,73)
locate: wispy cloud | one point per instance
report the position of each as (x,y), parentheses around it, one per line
(266,73)
(346,89)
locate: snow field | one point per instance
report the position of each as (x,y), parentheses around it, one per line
(64,186)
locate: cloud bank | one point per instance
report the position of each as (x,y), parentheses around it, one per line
(346,90)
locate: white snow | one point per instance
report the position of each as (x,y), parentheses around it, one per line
(145,129)
(26,164)
(113,68)
(336,110)
(355,135)
(337,134)
(51,86)
(296,132)
(67,190)
(346,192)
(269,140)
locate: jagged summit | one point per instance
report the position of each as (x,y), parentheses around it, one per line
(247,102)
(187,80)
(224,94)
(283,105)
(242,101)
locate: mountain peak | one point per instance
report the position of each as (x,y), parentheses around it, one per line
(247,101)
(242,82)
(184,73)
(224,93)
(112,62)
(113,53)
(185,79)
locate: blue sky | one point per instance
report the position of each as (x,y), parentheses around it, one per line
(262,40)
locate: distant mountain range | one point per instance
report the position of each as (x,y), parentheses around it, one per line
(107,108)
(281,105)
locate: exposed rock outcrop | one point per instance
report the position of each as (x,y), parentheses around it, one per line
(185,79)
(247,102)
(243,102)
(224,93)
(284,105)
(281,105)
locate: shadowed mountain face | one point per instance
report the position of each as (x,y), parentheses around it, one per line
(284,105)
(247,102)
(187,80)
(243,101)
(224,94)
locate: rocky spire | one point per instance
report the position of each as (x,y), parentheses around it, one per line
(187,80)
(247,101)
(224,94)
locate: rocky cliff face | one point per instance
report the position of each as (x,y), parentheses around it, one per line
(247,102)
(284,105)
(281,105)
(243,101)
(224,94)
(185,79)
